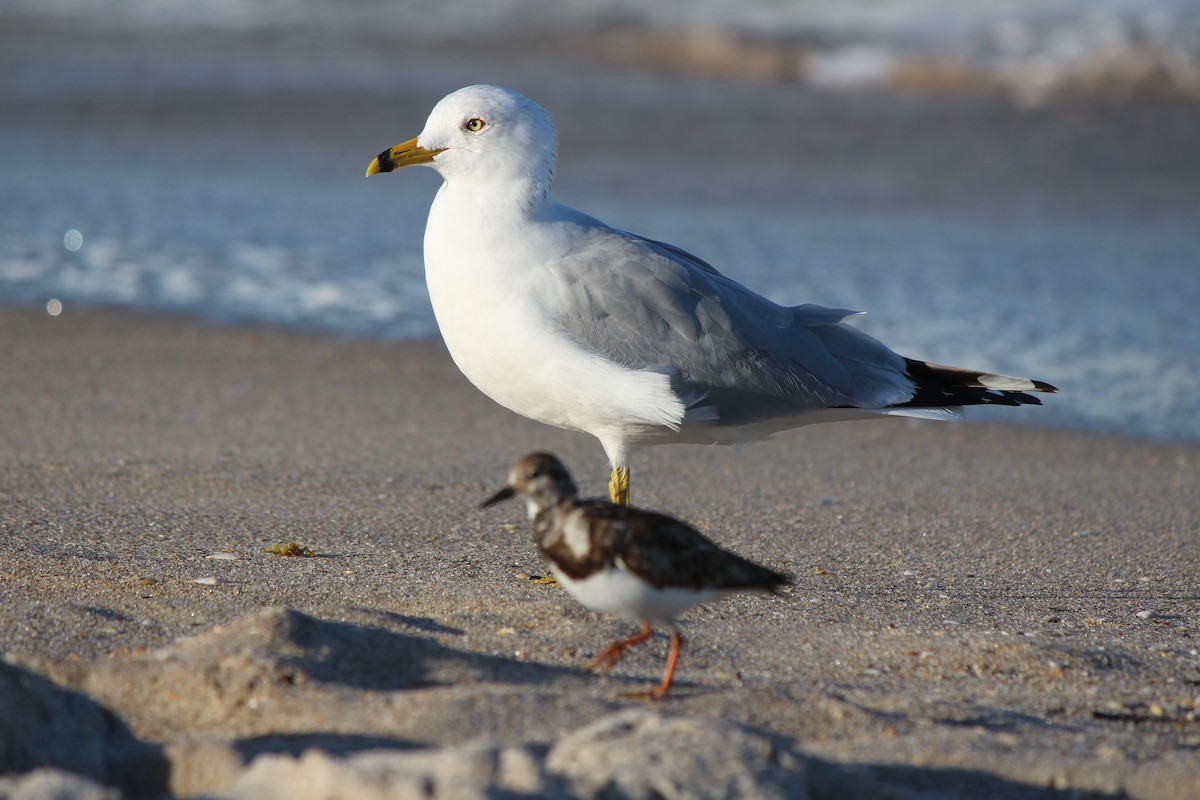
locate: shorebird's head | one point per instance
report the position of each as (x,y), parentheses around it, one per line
(541,479)
(482,136)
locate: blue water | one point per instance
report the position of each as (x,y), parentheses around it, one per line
(226,182)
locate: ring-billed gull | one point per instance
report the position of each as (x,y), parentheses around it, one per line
(636,564)
(577,324)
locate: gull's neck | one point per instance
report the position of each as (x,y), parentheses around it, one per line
(521,197)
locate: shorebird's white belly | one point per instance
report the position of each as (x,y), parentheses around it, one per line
(617,591)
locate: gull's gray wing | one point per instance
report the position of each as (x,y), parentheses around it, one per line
(652,305)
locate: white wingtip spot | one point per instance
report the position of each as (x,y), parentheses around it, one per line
(1005,383)
(940,414)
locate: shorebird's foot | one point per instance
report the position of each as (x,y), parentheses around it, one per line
(616,651)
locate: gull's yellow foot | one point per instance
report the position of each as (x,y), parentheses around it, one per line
(618,486)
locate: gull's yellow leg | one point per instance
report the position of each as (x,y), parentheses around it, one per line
(618,486)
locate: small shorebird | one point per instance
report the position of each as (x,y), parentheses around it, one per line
(574,323)
(637,564)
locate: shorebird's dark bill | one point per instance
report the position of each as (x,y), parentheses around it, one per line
(506,493)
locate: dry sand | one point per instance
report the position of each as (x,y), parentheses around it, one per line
(979,610)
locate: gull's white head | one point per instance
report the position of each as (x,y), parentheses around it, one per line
(482,134)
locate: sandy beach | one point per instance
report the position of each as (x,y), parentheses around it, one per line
(245,365)
(978,609)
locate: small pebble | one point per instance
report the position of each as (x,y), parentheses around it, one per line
(1147,614)
(226,556)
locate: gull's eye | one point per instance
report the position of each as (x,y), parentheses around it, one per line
(475,124)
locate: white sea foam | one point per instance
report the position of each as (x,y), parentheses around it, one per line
(1032,48)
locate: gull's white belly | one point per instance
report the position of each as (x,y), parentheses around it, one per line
(616,591)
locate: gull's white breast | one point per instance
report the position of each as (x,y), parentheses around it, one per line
(482,272)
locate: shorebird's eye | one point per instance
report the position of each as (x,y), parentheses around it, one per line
(475,124)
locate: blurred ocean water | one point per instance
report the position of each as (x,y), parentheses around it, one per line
(207,159)
(1031,48)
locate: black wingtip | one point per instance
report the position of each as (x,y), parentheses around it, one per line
(939,386)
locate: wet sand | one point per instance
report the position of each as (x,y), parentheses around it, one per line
(977,607)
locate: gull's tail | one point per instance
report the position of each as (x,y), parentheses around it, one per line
(949,387)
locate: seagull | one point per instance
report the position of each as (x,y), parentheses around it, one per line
(577,324)
(636,564)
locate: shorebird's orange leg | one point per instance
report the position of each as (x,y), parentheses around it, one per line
(612,654)
(660,691)
(669,673)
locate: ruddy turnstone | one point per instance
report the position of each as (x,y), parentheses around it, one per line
(636,564)
(576,324)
